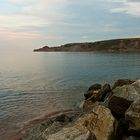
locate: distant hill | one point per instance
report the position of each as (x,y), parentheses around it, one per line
(122,45)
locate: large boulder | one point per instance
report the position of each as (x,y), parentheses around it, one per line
(128,92)
(102,126)
(99,122)
(122,82)
(122,99)
(133,116)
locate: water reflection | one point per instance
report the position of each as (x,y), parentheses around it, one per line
(34,83)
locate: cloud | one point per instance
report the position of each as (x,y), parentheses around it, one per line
(48,9)
(130,7)
(32,13)
(20,20)
(56,22)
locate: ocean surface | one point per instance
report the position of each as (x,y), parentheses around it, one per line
(32,84)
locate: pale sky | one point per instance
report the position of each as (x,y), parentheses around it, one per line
(29,24)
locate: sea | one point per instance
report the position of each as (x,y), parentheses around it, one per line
(37,83)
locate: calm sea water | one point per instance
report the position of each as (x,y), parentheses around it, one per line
(32,84)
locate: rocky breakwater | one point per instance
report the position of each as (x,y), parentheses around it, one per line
(108,113)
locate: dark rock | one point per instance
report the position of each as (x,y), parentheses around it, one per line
(95,87)
(122,99)
(94,97)
(133,116)
(135,133)
(122,129)
(96,93)
(63,118)
(118,106)
(105,92)
(93,91)
(106,88)
(88,94)
(122,82)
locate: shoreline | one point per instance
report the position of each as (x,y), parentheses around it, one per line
(94,51)
(103,98)
(40,119)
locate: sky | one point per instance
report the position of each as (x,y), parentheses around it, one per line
(29,24)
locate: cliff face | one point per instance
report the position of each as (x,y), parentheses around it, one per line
(126,45)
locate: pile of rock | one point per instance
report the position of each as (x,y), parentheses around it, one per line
(123,100)
(108,114)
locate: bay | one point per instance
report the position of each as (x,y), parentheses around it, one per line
(32,84)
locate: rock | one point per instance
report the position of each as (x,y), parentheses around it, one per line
(71,133)
(105,92)
(63,118)
(96,125)
(122,82)
(122,129)
(35,133)
(92,91)
(128,92)
(137,86)
(54,128)
(95,87)
(87,105)
(100,122)
(118,106)
(136,83)
(101,95)
(91,95)
(133,115)
(122,99)
(103,123)
(106,88)
(132,138)
(94,97)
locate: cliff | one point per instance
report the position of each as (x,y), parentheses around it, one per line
(124,45)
